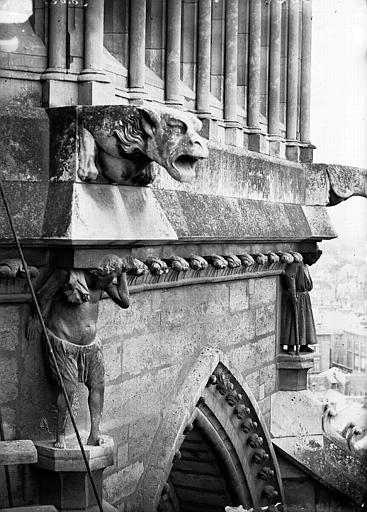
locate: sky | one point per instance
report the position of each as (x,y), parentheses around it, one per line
(339,100)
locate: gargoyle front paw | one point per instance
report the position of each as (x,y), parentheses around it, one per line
(89,172)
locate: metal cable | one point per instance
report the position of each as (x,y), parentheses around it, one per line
(35,300)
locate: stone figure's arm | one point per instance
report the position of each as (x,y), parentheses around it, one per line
(290,281)
(45,297)
(119,293)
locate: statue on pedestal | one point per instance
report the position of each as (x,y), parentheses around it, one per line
(69,305)
(298,326)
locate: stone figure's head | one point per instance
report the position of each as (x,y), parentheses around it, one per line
(167,136)
(110,266)
(310,258)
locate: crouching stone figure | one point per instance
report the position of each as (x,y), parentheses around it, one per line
(69,302)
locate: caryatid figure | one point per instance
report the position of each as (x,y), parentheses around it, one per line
(69,302)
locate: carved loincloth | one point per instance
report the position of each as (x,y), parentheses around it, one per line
(77,363)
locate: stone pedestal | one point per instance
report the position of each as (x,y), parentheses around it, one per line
(292,151)
(63,479)
(258,142)
(59,92)
(306,153)
(276,147)
(292,371)
(93,92)
(210,125)
(233,133)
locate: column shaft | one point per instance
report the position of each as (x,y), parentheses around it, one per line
(230,70)
(137,44)
(253,102)
(173,52)
(292,82)
(57,36)
(203,73)
(93,36)
(274,68)
(306,71)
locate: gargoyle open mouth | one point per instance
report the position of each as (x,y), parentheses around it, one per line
(185,166)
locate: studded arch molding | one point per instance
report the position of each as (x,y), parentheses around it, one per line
(226,457)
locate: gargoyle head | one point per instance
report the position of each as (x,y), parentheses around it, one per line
(168,137)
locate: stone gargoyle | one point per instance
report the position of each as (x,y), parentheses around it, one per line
(330,184)
(121,141)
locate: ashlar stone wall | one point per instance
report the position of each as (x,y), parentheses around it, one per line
(149,350)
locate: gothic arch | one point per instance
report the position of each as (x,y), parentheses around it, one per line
(226,421)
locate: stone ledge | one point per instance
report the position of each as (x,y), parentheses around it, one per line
(73,213)
(17,452)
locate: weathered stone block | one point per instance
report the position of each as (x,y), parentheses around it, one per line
(121,484)
(295,413)
(146,352)
(257,142)
(274,147)
(212,216)
(234,134)
(139,396)
(252,355)
(112,360)
(179,304)
(8,379)
(264,291)
(242,329)
(24,136)
(238,296)
(9,326)
(292,152)
(265,408)
(268,376)
(252,380)
(306,154)
(9,422)
(141,434)
(265,320)
(318,220)
(122,455)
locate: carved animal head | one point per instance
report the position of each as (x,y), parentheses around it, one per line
(168,137)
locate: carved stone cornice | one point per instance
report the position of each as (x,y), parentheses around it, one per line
(197,269)
(163,273)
